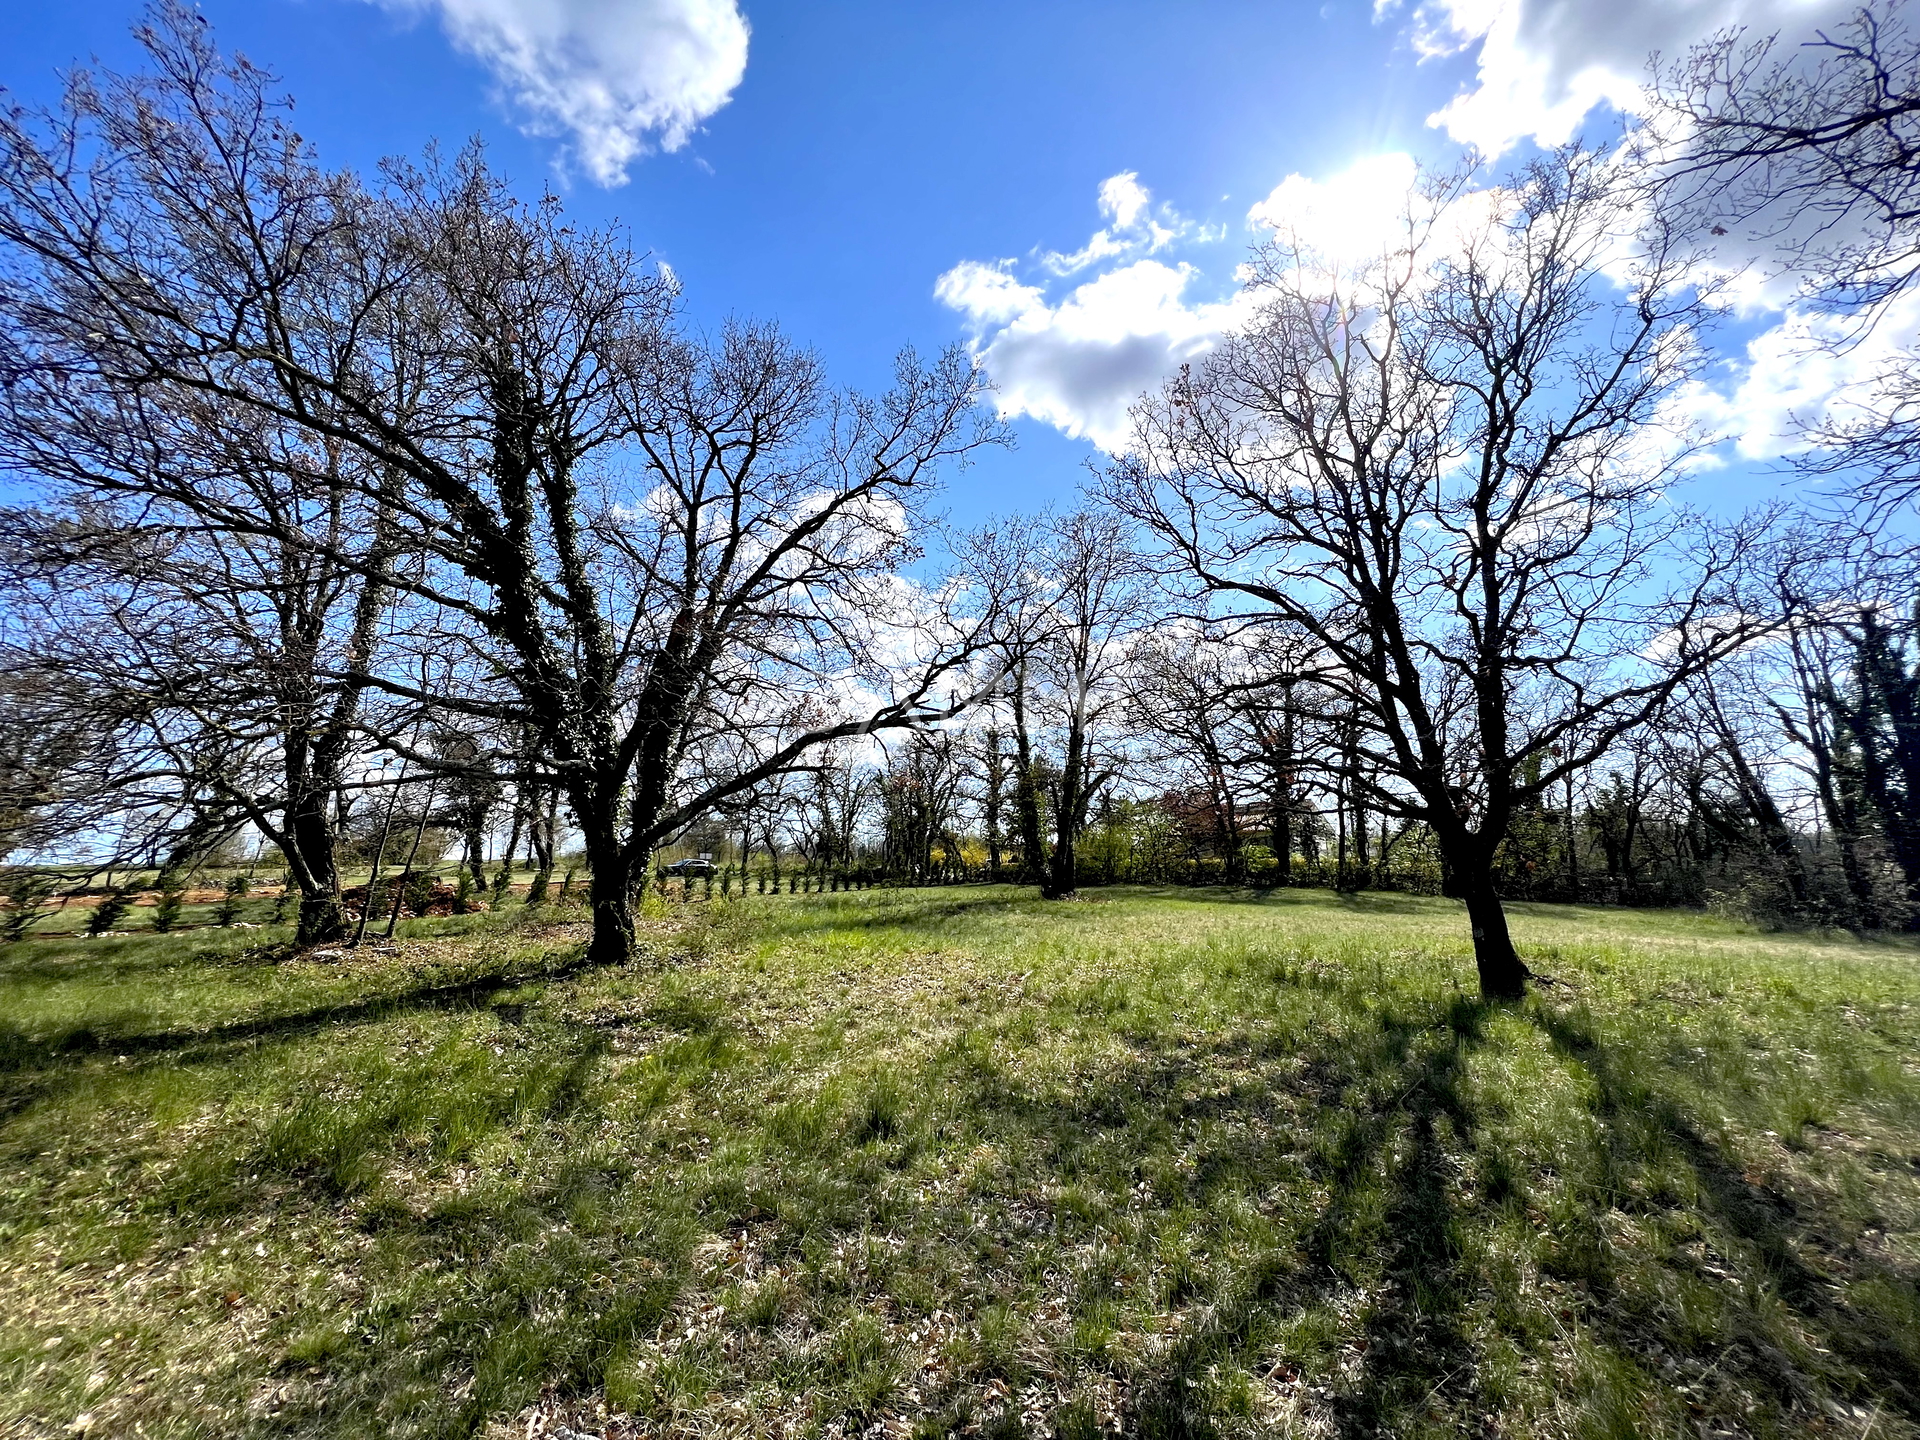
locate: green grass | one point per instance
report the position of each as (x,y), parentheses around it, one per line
(1173,1163)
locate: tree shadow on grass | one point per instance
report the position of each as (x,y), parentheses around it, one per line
(1362,1108)
(929,913)
(1280,897)
(33,1067)
(469,1299)
(1414,1358)
(1420,1354)
(1378,1117)
(98,962)
(1855,1354)
(1388,1220)
(541,1279)
(1432,1342)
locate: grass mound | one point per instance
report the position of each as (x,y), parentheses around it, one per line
(913,1162)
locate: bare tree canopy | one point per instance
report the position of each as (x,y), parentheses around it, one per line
(1078,597)
(1802,154)
(1447,469)
(673,559)
(1810,143)
(371,510)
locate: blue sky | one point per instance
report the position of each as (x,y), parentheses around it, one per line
(864,151)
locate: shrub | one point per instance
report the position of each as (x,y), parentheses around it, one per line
(229,910)
(27,894)
(419,890)
(173,895)
(111,910)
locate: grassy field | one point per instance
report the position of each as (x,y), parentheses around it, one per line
(918,1162)
(205,904)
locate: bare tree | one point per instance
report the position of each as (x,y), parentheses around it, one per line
(210,662)
(644,547)
(1074,594)
(1713,716)
(1809,145)
(1440,466)
(832,803)
(1856,665)
(1093,602)
(473,794)
(1030,772)
(1186,702)
(992,772)
(919,790)
(1809,152)
(58,760)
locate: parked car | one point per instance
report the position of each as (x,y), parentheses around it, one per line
(693,868)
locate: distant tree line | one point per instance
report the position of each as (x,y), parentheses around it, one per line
(380,517)
(1780,785)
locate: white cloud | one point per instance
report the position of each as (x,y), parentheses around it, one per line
(1809,370)
(1545,65)
(1123,198)
(1079,360)
(1078,364)
(986,294)
(1133,226)
(610,76)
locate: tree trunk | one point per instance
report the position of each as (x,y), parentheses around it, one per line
(1630,831)
(477,856)
(610,896)
(1573,847)
(1063,879)
(1843,816)
(613,940)
(1503,976)
(1283,792)
(1340,862)
(1889,758)
(504,877)
(1467,862)
(996,781)
(310,833)
(1026,793)
(321,921)
(542,834)
(1282,824)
